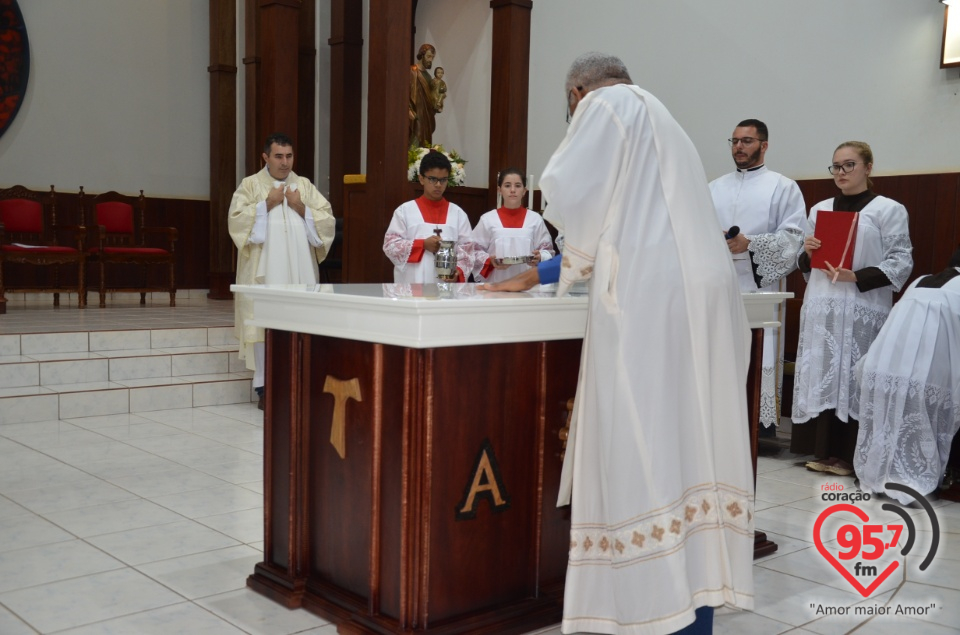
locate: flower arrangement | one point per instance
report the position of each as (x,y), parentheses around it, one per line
(457,173)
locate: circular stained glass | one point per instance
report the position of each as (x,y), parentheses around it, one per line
(14,62)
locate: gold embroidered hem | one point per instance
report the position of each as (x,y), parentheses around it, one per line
(663,531)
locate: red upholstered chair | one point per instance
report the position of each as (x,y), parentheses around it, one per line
(28,236)
(121,239)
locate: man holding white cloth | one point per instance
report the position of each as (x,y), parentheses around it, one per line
(283,228)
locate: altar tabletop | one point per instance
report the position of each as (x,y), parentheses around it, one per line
(435,315)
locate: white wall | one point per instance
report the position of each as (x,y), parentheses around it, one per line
(818,72)
(118,95)
(463,34)
(117,99)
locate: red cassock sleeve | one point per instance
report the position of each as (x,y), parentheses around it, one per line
(416,254)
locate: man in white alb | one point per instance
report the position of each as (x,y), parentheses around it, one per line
(283,228)
(768,211)
(657,468)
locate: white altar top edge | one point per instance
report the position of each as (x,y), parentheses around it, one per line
(436,315)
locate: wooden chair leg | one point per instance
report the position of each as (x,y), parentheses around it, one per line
(173,288)
(81,286)
(103,285)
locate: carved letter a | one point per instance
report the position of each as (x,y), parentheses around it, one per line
(486,483)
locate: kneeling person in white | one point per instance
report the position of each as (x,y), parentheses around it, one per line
(910,389)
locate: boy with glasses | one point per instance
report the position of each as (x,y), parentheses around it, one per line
(418,226)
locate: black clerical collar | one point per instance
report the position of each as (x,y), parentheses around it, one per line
(753,169)
(852,202)
(938,280)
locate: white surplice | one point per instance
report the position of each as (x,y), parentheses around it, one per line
(491,237)
(408,225)
(658,466)
(769,210)
(910,393)
(838,322)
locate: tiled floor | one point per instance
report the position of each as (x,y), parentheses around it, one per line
(150,523)
(34,313)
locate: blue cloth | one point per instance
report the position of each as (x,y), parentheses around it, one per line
(703,624)
(549,271)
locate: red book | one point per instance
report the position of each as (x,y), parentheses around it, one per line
(837,232)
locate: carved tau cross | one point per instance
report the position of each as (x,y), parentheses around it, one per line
(341,391)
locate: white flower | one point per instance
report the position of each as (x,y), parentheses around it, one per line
(458,175)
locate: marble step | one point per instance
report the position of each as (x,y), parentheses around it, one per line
(77,374)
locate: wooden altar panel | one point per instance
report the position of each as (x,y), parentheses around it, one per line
(347,551)
(373,540)
(279,535)
(491,558)
(555,529)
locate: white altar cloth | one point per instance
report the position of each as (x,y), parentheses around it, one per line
(434,315)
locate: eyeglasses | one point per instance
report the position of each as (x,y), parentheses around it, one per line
(436,180)
(747,141)
(570,92)
(845,167)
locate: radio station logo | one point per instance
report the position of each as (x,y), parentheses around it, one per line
(867,552)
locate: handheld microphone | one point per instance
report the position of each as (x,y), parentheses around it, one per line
(732,232)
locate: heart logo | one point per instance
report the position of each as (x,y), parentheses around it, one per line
(854,582)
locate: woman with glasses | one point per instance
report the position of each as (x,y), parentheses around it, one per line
(843,310)
(510,239)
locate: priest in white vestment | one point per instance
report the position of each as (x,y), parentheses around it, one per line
(658,466)
(283,228)
(910,389)
(768,211)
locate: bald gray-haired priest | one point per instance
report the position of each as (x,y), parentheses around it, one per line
(659,474)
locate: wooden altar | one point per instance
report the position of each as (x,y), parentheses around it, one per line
(389,508)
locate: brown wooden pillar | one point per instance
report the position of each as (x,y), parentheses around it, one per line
(387,95)
(346,87)
(278,89)
(253,135)
(223,142)
(509,87)
(305,164)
